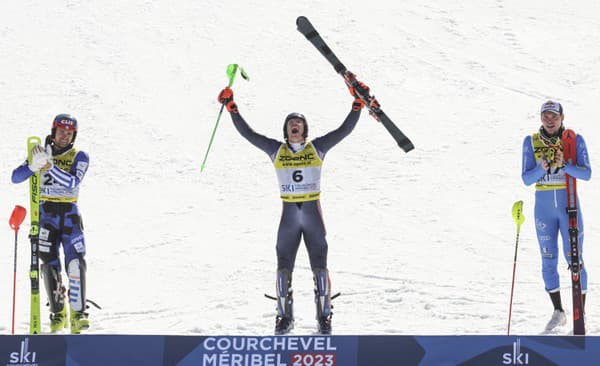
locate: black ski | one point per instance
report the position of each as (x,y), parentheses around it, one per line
(309,31)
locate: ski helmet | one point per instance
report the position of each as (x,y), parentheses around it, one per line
(295,115)
(67,122)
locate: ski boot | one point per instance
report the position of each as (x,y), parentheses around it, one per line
(324,325)
(79,321)
(284,322)
(323,300)
(76,269)
(283,325)
(558,319)
(59,320)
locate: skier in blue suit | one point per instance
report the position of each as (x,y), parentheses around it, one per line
(544,165)
(62,168)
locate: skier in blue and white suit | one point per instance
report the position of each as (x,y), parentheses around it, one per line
(544,165)
(298,163)
(62,168)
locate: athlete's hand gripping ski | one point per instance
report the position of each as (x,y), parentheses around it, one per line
(41,159)
(361,92)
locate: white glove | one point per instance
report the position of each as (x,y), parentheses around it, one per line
(41,159)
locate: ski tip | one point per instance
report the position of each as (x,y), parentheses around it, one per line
(305,27)
(301,19)
(568,134)
(34,140)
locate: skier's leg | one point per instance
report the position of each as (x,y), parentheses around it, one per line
(288,241)
(316,244)
(323,299)
(546,227)
(56,297)
(288,236)
(50,269)
(76,269)
(74,248)
(54,287)
(285,312)
(314,234)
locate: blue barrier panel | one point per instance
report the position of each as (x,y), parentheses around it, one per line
(150,350)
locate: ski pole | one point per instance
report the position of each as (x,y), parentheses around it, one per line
(231,72)
(517,214)
(16,218)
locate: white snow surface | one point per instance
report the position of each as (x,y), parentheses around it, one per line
(419,244)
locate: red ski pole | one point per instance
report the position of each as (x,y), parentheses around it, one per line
(16,218)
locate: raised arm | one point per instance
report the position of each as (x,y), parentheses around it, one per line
(326,142)
(266,144)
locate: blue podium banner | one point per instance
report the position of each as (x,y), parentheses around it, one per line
(150,350)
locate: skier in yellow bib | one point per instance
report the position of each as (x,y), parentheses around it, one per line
(298,164)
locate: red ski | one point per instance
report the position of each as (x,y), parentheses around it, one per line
(570,156)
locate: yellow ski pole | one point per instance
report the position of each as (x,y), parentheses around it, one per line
(517,214)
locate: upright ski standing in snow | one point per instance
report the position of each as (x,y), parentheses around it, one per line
(570,155)
(309,31)
(35,325)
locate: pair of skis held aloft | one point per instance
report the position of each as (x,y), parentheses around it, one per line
(569,144)
(309,31)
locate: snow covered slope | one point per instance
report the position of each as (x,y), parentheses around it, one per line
(419,243)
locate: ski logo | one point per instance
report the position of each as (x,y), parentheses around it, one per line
(23,357)
(516,357)
(540,225)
